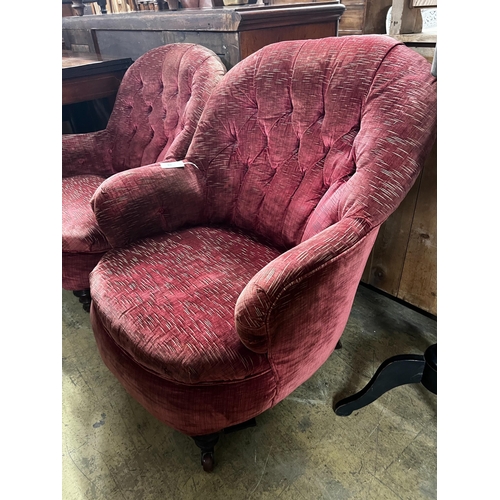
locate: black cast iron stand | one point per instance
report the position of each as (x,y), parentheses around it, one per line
(393,372)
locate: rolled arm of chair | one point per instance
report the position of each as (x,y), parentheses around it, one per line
(310,286)
(148,200)
(86,154)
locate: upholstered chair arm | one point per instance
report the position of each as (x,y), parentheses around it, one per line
(148,200)
(304,289)
(86,154)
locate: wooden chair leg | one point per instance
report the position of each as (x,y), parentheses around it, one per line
(84,298)
(207,443)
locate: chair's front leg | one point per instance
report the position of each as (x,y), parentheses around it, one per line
(84,298)
(207,444)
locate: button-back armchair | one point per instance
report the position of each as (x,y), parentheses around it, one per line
(155,114)
(233,276)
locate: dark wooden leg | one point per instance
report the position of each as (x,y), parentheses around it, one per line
(84,298)
(207,444)
(393,372)
(78,6)
(102,4)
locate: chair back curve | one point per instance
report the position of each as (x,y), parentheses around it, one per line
(159,103)
(332,128)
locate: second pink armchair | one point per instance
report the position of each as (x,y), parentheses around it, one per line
(157,108)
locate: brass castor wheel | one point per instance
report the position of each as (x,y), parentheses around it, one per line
(208,461)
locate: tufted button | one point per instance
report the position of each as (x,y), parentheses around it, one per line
(150,109)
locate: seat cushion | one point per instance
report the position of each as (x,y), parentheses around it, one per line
(168,303)
(80,232)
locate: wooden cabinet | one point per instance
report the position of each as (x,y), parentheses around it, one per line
(232,33)
(360,16)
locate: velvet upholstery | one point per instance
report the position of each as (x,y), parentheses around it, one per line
(231,279)
(154,117)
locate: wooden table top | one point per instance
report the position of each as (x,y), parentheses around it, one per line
(75,65)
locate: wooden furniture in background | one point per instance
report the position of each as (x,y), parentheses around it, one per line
(88,78)
(81,7)
(360,17)
(232,33)
(403,262)
(89,87)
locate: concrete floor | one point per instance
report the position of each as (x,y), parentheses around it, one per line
(113,449)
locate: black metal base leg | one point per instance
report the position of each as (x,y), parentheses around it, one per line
(393,372)
(429,377)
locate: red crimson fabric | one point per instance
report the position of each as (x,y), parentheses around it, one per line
(154,117)
(232,279)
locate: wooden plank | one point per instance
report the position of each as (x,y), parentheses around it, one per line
(427,52)
(417,38)
(225,45)
(419,278)
(404,19)
(90,88)
(216,19)
(258,17)
(251,41)
(376,16)
(423,3)
(385,265)
(67,10)
(352,20)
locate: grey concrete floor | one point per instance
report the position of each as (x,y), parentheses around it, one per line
(113,449)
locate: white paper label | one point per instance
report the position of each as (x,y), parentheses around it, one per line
(172,164)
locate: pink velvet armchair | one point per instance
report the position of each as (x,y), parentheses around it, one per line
(233,276)
(156,111)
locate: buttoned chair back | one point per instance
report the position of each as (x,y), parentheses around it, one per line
(157,108)
(233,277)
